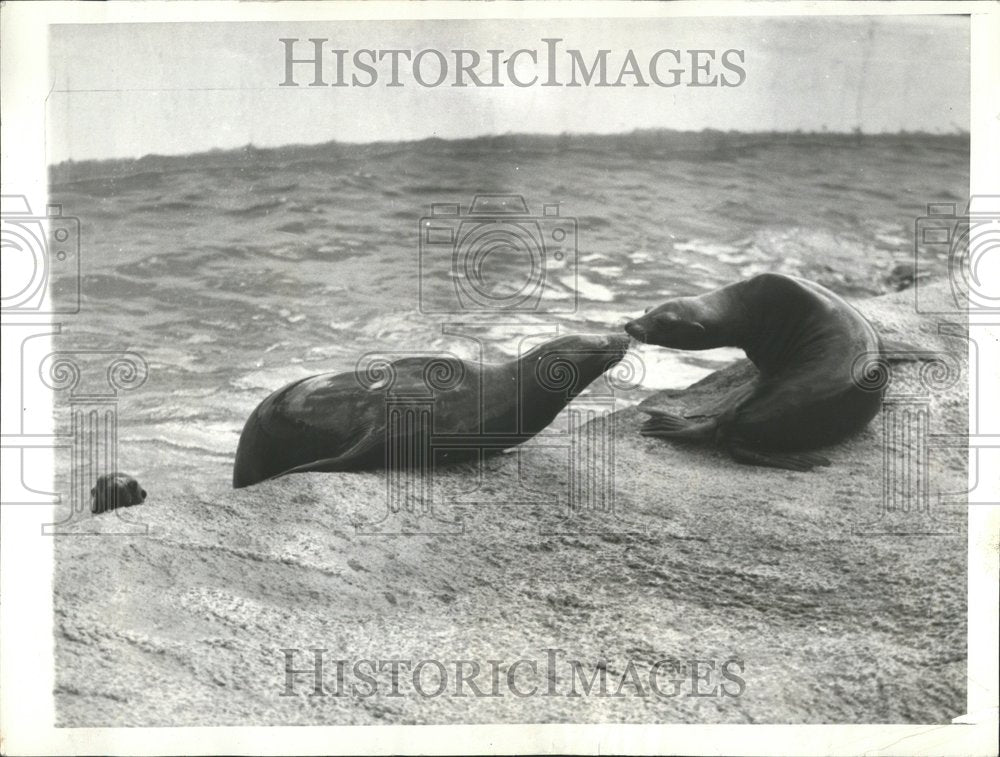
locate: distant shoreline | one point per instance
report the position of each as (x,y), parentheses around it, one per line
(681,143)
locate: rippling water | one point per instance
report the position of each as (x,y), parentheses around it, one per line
(236,272)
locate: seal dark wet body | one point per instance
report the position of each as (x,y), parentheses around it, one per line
(803,340)
(338,422)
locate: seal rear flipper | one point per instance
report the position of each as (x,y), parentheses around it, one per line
(670,426)
(796,461)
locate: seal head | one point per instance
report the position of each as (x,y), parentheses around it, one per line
(681,324)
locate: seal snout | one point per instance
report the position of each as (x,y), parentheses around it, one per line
(635,330)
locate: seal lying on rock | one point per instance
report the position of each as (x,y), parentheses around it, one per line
(342,422)
(114,490)
(802,338)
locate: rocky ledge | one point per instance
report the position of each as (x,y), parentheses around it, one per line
(774,596)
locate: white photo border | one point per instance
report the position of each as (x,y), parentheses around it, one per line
(27,644)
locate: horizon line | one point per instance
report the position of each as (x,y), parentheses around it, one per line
(251,147)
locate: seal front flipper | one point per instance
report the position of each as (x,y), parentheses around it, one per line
(670,426)
(369,444)
(796,461)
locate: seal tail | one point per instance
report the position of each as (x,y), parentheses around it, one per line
(670,426)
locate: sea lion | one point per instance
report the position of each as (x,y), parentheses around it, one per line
(114,490)
(803,340)
(339,422)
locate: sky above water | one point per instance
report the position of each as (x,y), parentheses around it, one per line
(127,90)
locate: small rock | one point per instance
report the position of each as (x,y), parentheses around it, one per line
(114,490)
(903,275)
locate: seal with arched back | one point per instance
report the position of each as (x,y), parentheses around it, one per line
(341,422)
(803,340)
